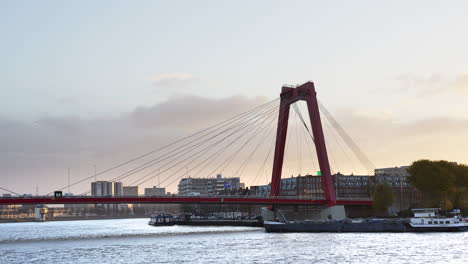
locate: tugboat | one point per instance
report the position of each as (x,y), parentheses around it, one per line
(429,220)
(162,220)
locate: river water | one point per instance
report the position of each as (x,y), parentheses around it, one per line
(133,241)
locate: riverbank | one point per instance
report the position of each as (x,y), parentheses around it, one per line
(74,218)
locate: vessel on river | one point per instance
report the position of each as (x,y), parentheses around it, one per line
(162,220)
(425,220)
(429,220)
(346,225)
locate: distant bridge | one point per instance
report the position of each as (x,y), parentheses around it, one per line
(182,200)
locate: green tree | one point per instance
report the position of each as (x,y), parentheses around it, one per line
(443,183)
(462,175)
(433,177)
(383,196)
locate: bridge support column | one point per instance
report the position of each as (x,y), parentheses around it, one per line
(268,214)
(289,95)
(336,212)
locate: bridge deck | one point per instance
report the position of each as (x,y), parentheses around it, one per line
(179,200)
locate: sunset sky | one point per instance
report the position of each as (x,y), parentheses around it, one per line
(87,83)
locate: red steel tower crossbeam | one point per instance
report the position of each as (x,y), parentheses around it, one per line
(305,92)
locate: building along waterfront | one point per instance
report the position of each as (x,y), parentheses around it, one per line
(154,191)
(406,196)
(208,186)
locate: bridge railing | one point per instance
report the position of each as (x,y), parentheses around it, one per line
(165,196)
(188,197)
(228,199)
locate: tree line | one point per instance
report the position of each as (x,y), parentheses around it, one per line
(443,184)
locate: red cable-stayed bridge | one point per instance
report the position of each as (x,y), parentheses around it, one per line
(182,200)
(202,149)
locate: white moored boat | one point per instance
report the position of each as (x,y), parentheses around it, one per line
(429,220)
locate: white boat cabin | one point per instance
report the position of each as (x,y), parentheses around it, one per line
(425,212)
(430,217)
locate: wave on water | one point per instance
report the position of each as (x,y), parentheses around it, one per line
(125,235)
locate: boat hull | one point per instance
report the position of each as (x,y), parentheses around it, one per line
(349,226)
(338,226)
(453,228)
(303,227)
(162,220)
(161,224)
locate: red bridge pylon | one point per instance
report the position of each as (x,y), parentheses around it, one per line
(289,95)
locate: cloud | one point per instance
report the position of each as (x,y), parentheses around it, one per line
(389,141)
(432,84)
(173,80)
(461,82)
(69,125)
(40,152)
(190,112)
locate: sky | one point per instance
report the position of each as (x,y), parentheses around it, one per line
(87,83)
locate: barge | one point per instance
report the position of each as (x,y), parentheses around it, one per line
(424,220)
(163,219)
